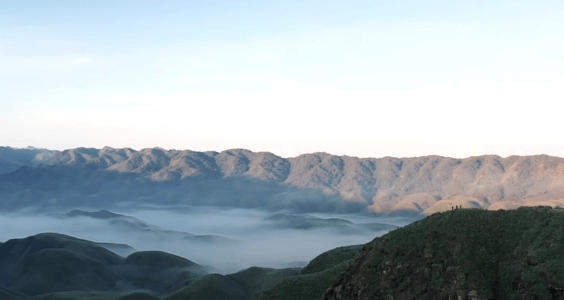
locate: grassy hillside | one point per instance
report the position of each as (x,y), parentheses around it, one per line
(138,296)
(9,294)
(79,295)
(91,295)
(211,287)
(54,265)
(52,262)
(61,270)
(158,271)
(331,258)
(243,285)
(315,278)
(465,253)
(255,280)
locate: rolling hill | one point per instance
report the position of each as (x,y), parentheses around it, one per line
(457,254)
(50,263)
(336,225)
(132,225)
(462,254)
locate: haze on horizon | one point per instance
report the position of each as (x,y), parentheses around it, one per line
(359,78)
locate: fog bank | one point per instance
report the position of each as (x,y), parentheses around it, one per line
(250,240)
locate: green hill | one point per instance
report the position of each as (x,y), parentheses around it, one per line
(315,278)
(331,258)
(52,262)
(158,271)
(79,295)
(304,287)
(211,287)
(157,260)
(91,295)
(243,285)
(255,280)
(464,254)
(138,296)
(61,270)
(9,294)
(55,266)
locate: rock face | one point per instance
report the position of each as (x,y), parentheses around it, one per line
(462,254)
(418,185)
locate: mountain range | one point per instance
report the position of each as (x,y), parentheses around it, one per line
(316,182)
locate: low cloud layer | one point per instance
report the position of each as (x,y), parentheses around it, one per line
(257,243)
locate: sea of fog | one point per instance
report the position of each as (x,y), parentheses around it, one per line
(258,244)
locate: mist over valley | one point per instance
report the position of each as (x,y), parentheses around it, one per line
(171,224)
(227,239)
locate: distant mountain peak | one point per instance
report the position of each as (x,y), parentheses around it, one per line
(100,214)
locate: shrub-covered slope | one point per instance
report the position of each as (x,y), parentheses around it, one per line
(315,278)
(157,271)
(243,285)
(9,294)
(54,262)
(51,263)
(462,254)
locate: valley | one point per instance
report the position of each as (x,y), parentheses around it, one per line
(167,224)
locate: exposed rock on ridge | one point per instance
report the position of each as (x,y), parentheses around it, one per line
(383,185)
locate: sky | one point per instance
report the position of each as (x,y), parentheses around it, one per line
(359,78)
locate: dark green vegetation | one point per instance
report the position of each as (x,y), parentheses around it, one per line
(465,253)
(459,254)
(91,295)
(315,278)
(9,294)
(82,295)
(51,263)
(53,266)
(243,285)
(331,258)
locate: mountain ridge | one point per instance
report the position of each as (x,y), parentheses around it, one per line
(380,185)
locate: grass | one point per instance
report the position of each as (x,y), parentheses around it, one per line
(79,295)
(255,280)
(331,258)
(304,287)
(211,287)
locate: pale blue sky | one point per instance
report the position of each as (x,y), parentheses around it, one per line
(365,78)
